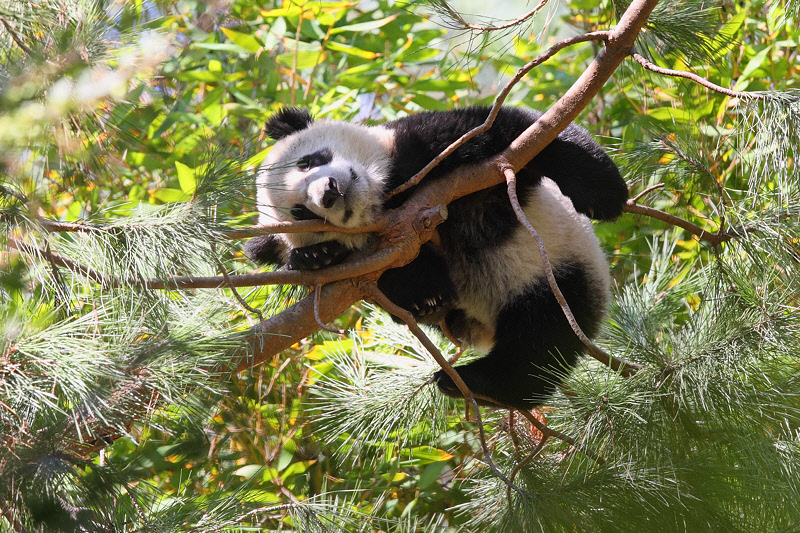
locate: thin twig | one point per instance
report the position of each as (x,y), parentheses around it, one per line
(530,457)
(56,278)
(513,433)
(11,192)
(674,149)
(694,77)
(547,430)
(452,338)
(16,37)
(646,191)
(496,106)
(233,290)
(317,291)
(486,29)
(708,236)
(62,261)
(408,318)
(300,226)
(625,368)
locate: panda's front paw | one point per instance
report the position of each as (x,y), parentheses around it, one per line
(431,308)
(317,256)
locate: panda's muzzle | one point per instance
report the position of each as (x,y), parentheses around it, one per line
(331,193)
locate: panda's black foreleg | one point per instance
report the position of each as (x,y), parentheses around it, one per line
(535,346)
(265,250)
(584,173)
(423,287)
(317,256)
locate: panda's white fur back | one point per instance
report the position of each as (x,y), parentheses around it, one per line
(487,282)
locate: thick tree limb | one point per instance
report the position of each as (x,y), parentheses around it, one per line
(400,238)
(298,321)
(498,103)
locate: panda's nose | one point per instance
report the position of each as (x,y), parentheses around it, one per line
(331,193)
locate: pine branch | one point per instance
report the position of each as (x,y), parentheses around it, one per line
(414,222)
(15,36)
(714,239)
(469,397)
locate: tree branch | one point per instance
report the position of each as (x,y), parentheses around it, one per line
(297,322)
(400,238)
(300,226)
(495,110)
(694,77)
(62,261)
(713,238)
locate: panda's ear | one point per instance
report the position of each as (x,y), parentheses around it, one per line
(287,121)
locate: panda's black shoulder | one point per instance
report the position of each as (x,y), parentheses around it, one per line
(420,137)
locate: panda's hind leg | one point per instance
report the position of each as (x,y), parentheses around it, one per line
(534,347)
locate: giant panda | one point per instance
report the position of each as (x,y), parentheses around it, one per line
(484,278)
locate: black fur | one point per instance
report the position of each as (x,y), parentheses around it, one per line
(422,287)
(287,121)
(265,249)
(533,345)
(580,167)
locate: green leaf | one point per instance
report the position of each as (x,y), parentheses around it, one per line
(423,455)
(724,39)
(304,59)
(365,26)
(222,47)
(248,471)
(755,63)
(430,103)
(284,459)
(248,42)
(257,159)
(168,195)
(671,114)
(199,75)
(186,178)
(352,50)
(430,474)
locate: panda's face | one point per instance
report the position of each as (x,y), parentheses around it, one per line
(332,171)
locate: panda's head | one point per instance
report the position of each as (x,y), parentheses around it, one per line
(334,171)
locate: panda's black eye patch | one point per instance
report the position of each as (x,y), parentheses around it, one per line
(317,159)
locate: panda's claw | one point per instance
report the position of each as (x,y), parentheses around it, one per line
(317,256)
